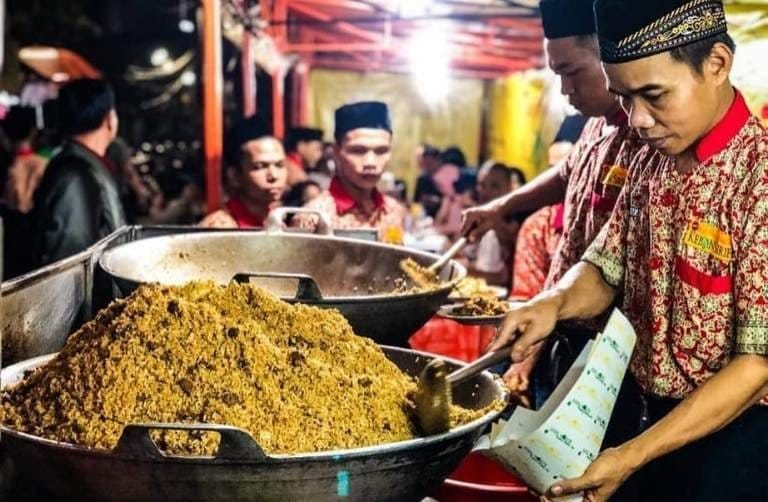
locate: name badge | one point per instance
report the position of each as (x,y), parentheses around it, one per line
(708,239)
(616,176)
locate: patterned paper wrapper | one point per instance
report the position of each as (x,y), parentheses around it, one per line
(560,440)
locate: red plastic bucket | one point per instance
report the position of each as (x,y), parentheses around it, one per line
(480,479)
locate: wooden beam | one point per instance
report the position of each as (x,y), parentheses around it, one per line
(341,4)
(337,64)
(341,26)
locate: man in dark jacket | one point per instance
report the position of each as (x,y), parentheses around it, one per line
(78,202)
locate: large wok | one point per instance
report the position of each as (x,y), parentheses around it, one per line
(355,277)
(137,471)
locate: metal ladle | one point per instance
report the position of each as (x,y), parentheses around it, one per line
(433,396)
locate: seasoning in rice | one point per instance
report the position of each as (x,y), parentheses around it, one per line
(482,306)
(295,377)
(422,277)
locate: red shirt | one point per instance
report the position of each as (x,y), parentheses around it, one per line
(234,215)
(345,213)
(689,252)
(595,173)
(242,215)
(536,244)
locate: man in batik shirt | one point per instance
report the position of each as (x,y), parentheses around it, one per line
(687,249)
(536,244)
(363,149)
(588,182)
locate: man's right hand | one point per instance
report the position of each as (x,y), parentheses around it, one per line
(477,221)
(528,324)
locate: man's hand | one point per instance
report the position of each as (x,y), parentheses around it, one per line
(530,323)
(602,478)
(477,221)
(518,379)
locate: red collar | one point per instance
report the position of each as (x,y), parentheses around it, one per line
(296,159)
(345,202)
(729,126)
(242,215)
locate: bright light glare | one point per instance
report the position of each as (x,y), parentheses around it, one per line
(186,26)
(159,56)
(413,8)
(188,78)
(429,54)
(59,77)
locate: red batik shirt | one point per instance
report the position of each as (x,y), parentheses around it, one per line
(536,244)
(595,173)
(345,213)
(235,215)
(690,253)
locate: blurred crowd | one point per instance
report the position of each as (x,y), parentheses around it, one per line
(69,180)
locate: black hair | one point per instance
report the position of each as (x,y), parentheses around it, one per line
(294,197)
(291,143)
(454,155)
(430,151)
(695,53)
(508,172)
(516,171)
(466,182)
(83,105)
(590,41)
(500,168)
(301,135)
(19,123)
(244,130)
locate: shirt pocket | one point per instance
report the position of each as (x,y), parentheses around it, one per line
(702,315)
(706,283)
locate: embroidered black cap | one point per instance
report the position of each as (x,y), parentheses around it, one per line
(634,29)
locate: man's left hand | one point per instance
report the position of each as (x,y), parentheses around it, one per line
(601,479)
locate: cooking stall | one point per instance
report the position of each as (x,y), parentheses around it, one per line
(43,308)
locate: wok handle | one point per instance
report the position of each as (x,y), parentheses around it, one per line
(275,222)
(235,443)
(307,290)
(485,362)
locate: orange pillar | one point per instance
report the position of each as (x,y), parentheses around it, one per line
(249,77)
(280,33)
(278,103)
(213,119)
